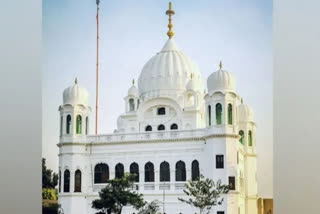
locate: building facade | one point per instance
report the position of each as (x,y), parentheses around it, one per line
(172,130)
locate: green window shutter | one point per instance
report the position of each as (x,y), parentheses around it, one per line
(219,114)
(230,114)
(78,126)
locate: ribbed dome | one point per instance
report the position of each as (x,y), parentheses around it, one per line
(133,91)
(245,113)
(222,81)
(167,73)
(75,95)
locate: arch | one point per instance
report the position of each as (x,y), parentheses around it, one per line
(101,173)
(161,127)
(77,181)
(66,181)
(218,114)
(250,138)
(119,169)
(134,169)
(241,140)
(164,171)
(149,172)
(131,104)
(161,111)
(79,124)
(87,125)
(230,114)
(174,126)
(148,128)
(209,115)
(195,172)
(68,127)
(180,171)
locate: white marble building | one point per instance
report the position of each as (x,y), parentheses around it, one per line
(172,130)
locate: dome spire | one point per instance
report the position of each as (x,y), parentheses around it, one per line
(132,81)
(220,65)
(76,80)
(170,12)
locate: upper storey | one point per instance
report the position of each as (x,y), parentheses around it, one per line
(167,74)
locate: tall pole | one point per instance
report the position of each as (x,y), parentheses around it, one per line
(97,68)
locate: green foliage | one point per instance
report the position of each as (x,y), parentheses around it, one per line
(116,194)
(49,207)
(49,179)
(150,208)
(203,193)
(49,194)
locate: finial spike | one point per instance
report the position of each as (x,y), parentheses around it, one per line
(132,81)
(191,75)
(170,12)
(241,100)
(220,65)
(76,80)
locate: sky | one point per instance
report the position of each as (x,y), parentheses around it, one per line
(237,32)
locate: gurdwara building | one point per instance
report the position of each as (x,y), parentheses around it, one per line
(172,130)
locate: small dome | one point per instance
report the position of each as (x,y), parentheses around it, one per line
(167,73)
(245,113)
(191,85)
(75,95)
(222,81)
(133,91)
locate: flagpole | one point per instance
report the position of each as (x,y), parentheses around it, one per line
(97,68)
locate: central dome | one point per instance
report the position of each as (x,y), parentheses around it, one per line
(167,73)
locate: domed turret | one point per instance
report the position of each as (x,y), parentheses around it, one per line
(168,73)
(75,95)
(221,80)
(245,113)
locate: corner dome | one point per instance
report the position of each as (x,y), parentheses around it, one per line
(167,73)
(222,81)
(133,91)
(191,85)
(75,95)
(245,113)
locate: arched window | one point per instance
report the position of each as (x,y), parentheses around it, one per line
(101,173)
(174,127)
(195,170)
(164,171)
(66,181)
(77,181)
(209,114)
(119,170)
(79,124)
(241,133)
(87,125)
(161,111)
(230,114)
(180,171)
(59,180)
(218,114)
(148,128)
(161,127)
(68,128)
(149,172)
(131,104)
(61,124)
(134,169)
(250,138)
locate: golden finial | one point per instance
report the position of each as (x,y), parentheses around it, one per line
(132,81)
(220,65)
(170,12)
(241,100)
(191,75)
(76,81)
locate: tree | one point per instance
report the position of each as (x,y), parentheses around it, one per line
(150,208)
(49,179)
(203,193)
(117,194)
